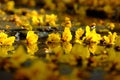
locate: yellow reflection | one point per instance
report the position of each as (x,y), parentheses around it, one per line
(37,71)
(92,47)
(67,46)
(19,56)
(80,50)
(4,50)
(56,48)
(32,48)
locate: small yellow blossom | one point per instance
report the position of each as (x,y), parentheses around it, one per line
(67,35)
(31,37)
(92,36)
(3,36)
(26,25)
(7,26)
(112,26)
(51,20)
(34,13)
(110,39)
(54,37)
(41,19)
(78,33)
(9,5)
(37,20)
(9,41)
(5,40)
(68,22)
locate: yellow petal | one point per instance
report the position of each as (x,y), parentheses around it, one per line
(67,35)
(9,41)
(31,37)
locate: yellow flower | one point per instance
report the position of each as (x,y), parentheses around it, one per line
(35,20)
(92,36)
(31,37)
(111,26)
(34,12)
(110,39)
(9,41)
(5,40)
(9,5)
(26,25)
(78,33)
(3,36)
(67,22)
(54,37)
(40,17)
(51,20)
(67,35)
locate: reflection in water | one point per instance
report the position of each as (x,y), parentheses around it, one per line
(55,48)
(67,46)
(80,50)
(19,56)
(5,49)
(32,48)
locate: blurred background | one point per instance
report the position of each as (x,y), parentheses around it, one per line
(92,8)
